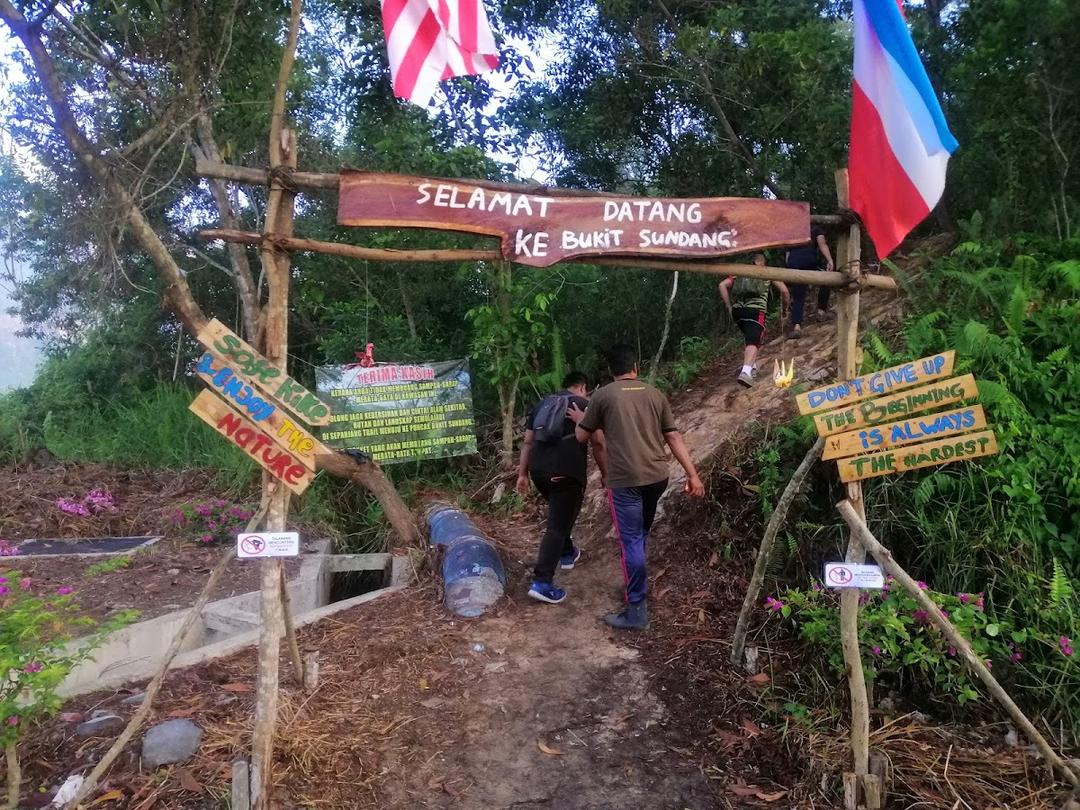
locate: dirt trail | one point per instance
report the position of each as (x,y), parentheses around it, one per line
(559,677)
(530,706)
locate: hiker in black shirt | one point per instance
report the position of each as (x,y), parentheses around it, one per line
(557,464)
(809,257)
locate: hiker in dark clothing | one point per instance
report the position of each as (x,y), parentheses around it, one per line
(746,300)
(557,465)
(809,257)
(638,429)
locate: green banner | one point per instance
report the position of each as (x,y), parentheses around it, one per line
(399,412)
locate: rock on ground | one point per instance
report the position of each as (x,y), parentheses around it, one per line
(170,742)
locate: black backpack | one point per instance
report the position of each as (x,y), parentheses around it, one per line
(549,418)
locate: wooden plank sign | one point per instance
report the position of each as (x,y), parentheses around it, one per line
(881,382)
(244,434)
(912,401)
(238,390)
(542,229)
(904,432)
(928,454)
(284,390)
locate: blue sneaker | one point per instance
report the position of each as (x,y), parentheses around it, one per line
(567,561)
(546,592)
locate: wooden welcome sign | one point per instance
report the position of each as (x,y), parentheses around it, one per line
(853,418)
(541,229)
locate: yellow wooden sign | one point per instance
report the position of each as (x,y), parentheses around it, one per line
(928,454)
(285,391)
(240,432)
(904,432)
(238,390)
(886,381)
(923,398)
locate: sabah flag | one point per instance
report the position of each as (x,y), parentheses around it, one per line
(900,143)
(432,40)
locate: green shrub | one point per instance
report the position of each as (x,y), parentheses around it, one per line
(1006,525)
(900,644)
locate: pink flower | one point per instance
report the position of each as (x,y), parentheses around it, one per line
(218,503)
(965,598)
(25,583)
(979,602)
(206,538)
(922,585)
(3,589)
(212,525)
(32,667)
(13,720)
(178,517)
(989,663)
(775,605)
(875,650)
(1066,646)
(71,507)
(64,590)
(1016,656)
(203,510)
(952,652)
(921,616)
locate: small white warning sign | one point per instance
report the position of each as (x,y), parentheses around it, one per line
(268,544)
(851,575)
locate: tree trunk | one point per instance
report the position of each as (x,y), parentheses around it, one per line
(408,306)
(667,327)
(507,402)
(207,149)
(178,296)
(370,476)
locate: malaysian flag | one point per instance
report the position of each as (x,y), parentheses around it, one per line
(432,40)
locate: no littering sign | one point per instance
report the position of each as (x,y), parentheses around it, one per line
(268,544)
(850,575)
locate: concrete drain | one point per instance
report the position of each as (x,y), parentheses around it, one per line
(230,625)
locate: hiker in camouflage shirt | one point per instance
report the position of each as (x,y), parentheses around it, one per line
(746,300)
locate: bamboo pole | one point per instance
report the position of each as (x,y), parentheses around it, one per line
(785,274)
(299,674)
(885,559)
(14,774)
(776,520)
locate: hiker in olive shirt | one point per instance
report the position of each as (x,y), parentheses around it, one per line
(638,428)
(746,300)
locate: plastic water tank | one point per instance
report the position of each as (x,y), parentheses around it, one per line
(473,575)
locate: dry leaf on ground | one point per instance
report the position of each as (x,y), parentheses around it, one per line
(187,781)
(111,796)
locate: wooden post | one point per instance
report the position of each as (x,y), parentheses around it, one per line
(274,343)
(848,255)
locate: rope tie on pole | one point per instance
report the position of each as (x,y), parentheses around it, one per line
(283,176)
